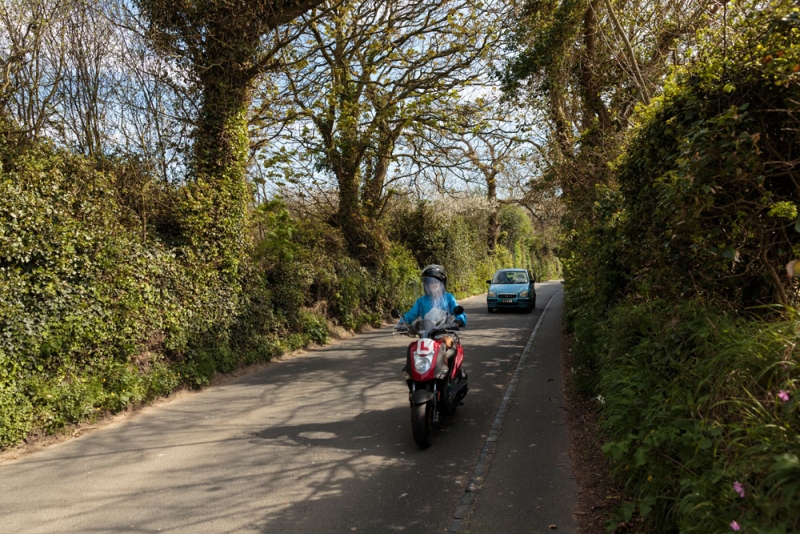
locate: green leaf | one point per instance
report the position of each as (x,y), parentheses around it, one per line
(645,505)
(784,210)
(627,510)
(641,456)
(786,462)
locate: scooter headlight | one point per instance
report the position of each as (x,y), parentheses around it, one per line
(422,363)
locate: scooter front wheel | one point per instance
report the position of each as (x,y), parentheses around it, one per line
(450,402)
(422,424)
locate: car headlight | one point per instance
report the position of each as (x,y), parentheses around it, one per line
(422,363)
(491,294)
(523,294)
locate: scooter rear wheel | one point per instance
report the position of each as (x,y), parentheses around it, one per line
(422,424)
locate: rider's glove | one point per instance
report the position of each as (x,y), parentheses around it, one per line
(460,323)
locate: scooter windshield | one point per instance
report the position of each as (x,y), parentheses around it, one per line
(424,326)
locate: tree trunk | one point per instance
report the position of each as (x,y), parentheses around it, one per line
(593,104)
(560,122)
(214,208)
(365,240)
(372,194)
(494,228)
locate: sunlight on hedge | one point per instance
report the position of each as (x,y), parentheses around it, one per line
(100,311)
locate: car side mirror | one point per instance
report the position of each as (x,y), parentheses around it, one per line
(458,310)
(489,282)
(395,313)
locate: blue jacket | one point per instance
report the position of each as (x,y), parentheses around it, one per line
(425,304)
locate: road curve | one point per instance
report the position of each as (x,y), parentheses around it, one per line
(319,442)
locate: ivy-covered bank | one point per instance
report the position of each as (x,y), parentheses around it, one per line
(682,293)
(103,303)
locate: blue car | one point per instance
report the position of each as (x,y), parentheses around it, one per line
(511,289)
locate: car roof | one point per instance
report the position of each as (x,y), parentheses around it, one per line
(511,270)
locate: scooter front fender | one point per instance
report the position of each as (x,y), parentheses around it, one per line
(421,396)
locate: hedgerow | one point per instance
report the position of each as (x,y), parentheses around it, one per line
(679,295)
(453,234)
(88,312)
(105,303)
(696,403)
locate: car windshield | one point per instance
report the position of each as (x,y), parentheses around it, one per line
(510,277)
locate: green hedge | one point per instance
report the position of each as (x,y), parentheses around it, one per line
(695,402)
(87,311)
(100,311)
(453,234)
(677,294)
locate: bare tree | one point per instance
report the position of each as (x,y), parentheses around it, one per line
(85,88)
(32,61)
(484,140)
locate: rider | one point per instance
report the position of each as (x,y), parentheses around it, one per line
(436,304)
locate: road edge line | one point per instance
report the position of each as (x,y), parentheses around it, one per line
(467,505)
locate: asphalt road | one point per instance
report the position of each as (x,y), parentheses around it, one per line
(319,442)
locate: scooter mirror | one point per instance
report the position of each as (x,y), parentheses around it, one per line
(395,313)
(458,310)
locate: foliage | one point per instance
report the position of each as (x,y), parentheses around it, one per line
(584,66)
(94,318)
(531,249)
(88,311)
(213,207)
(722,140)
(306,264)
(705,184)
(362,76)
(693,401)
(516,229)
(222,51)
(677,295)
(452,233)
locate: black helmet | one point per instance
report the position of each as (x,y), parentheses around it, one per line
(435,271)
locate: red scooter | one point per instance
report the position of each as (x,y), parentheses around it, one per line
(436,381)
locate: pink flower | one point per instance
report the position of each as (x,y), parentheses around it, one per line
(735,526)
(738,488)
(783,395)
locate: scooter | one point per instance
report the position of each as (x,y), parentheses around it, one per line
(436,380)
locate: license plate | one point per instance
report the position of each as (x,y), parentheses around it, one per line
(507,301)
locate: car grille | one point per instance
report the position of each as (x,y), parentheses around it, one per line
(507,296)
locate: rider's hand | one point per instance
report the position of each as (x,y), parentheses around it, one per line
(460,323)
